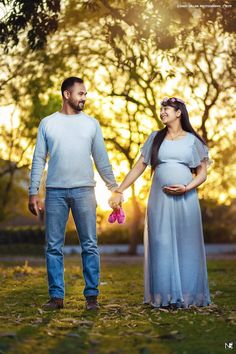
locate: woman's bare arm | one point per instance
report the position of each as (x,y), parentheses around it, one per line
(133,174)
(201,176)
(130,178)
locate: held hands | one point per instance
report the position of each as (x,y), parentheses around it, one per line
(116,199)
(115,203)
(175,189)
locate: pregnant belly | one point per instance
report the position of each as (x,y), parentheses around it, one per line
(173,173)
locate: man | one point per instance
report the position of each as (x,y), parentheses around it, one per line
(70,137)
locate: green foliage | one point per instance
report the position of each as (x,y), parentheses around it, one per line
(42,107)
(218,222)
(22,249)
(22,234)
(150,19)
(38,18)
(12,190)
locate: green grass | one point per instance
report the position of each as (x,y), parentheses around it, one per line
(123,325)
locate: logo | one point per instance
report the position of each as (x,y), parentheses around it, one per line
(229,345)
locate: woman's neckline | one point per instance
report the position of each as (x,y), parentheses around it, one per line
(187,133)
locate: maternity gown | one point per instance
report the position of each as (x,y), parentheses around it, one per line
(175,269)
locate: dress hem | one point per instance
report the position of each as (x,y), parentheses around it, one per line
(177,304)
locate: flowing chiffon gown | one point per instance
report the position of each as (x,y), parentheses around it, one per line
(175,269)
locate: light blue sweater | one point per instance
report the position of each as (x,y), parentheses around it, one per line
(70,140)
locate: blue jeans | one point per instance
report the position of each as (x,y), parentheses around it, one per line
(82,202)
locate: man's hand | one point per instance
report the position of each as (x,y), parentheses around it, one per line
(115,200)
(175,189)
(35,206)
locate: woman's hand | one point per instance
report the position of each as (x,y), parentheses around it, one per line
(175,189)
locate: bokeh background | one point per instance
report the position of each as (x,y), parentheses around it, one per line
(130,54)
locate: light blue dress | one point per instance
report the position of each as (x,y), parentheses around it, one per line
(175,269)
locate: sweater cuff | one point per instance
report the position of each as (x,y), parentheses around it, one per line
(33,191)
(113,187)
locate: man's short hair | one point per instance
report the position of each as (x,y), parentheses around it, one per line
(69,82)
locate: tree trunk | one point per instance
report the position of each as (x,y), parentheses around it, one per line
(136,220)
(6,192)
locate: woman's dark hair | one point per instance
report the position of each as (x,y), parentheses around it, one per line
(69,82)
(160,136)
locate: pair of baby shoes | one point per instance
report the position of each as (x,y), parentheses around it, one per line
(117,214)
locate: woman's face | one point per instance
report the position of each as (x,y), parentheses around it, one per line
(168,114)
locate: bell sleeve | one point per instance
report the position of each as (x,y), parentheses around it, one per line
(200,152)
(146,149)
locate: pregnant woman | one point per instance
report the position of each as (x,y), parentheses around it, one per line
(175,269)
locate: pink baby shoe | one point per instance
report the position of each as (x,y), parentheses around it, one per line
(112,217)
(120,215)
(117,214)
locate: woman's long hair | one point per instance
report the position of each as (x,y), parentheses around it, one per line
(160,136)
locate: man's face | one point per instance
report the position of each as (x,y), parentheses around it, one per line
(76,96)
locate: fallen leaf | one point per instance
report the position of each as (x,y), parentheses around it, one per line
(218,292)
(68,320)
(85,322)
(213,306)
(163,310)
(112,306)
(38,320)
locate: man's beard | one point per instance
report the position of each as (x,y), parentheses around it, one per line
(78,107)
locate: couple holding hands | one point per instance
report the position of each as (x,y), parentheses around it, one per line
(175,271)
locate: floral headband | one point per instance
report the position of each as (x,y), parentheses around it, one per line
(172,99)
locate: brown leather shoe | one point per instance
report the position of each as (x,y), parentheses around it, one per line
(92,303)
(53,304)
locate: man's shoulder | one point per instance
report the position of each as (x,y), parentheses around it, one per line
(92,119)
(48,118)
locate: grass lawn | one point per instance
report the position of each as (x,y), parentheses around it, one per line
(123,325)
